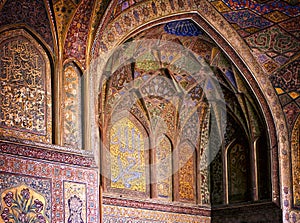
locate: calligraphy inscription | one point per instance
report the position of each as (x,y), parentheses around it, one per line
(23,92)
(127,156)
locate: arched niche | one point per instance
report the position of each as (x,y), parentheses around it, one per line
(238,52)
(125,157)
(26,104)
(238,69)
(185,177)
(238,173)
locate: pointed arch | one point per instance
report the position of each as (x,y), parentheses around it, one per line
(125,157)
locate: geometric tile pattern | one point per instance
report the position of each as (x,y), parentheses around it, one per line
(288,78)
(292,25)
(274,43)
(287,84)
(274,40)
(246,19)
(280,42)
(276,16)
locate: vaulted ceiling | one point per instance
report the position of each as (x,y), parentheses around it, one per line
(73,30)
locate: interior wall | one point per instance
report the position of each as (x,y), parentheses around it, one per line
(76,31)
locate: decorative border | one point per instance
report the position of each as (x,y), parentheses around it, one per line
(46,154)
(147,205)
(136,215)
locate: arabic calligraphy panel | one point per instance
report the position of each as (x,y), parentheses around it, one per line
(25,102)
(127,156)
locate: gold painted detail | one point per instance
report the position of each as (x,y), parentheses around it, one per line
(115,213)
(279,90)
(294,94)
(127,156)
(220,6)
(186,174)
(276,16)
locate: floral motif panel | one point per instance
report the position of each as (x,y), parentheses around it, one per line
(72,107)
(23,204)
(48,178)
(24,197)
(25,102)
(127,156)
